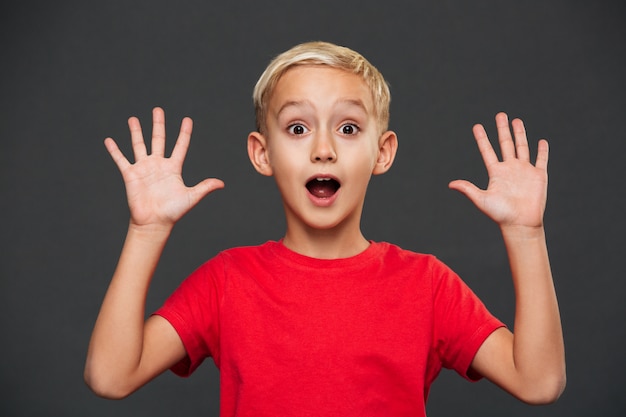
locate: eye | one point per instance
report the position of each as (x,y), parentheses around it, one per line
(297,129)
(348,129)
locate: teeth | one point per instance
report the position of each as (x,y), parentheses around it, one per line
(323,179)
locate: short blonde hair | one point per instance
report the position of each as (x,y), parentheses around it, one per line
(322,53)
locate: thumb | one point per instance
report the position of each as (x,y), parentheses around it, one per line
(466,188)
(204,188)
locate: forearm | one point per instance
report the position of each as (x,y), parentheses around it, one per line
(117,341)
(538,350)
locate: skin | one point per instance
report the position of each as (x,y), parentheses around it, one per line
(125,352)
(340,139)
(320,123)
(529,364)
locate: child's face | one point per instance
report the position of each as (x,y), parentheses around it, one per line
(322,145)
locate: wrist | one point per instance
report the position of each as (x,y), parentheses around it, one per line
(150,232)
(522,232)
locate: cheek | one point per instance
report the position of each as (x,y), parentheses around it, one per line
(285,162)
(365,159)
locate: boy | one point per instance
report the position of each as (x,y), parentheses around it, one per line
(325,322)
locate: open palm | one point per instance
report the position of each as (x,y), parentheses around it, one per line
(156,192)
(517,190)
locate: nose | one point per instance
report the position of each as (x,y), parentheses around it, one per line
(323,148)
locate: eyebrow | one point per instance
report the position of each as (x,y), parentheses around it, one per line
(306,103)
(293,103)
(353,102)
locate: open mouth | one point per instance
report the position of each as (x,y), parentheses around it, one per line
(323,187)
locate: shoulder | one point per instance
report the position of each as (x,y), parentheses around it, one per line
(247,253)
(249,250)
(394,254)
(427,267)
(240,258)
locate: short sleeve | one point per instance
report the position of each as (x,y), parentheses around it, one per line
(193,311)
(461,320)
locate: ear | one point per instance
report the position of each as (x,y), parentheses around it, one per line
(387,148)
(258,153)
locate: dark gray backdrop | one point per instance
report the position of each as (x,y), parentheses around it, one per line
(72,72)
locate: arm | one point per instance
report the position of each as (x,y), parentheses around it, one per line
(529,363)
(125,352)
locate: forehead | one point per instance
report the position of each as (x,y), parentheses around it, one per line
(320,85)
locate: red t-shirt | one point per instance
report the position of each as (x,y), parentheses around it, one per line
(298,336)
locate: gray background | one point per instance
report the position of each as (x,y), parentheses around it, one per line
(72,73)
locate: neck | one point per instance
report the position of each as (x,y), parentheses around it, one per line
(325,244)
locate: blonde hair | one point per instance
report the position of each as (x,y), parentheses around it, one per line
(322,53)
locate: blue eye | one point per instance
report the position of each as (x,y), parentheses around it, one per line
(297,129)
(348,129)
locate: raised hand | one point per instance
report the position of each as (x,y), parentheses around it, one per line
(157,195)
(517,190)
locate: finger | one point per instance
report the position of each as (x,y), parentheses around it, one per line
(542,154)
(521,141)
(117,155)
(204,188)
(182,143)
(158,132)
(136,138)
(484,146)
(507,147)
(468,189)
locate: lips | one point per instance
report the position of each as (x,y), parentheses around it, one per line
(323,186)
